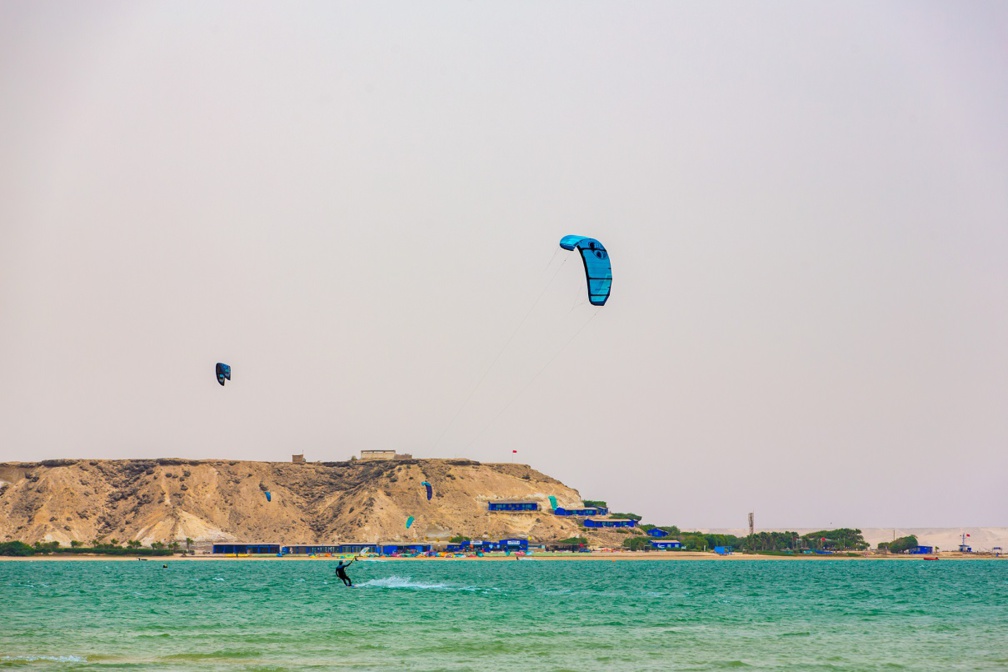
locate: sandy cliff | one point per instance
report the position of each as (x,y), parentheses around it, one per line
(209,500)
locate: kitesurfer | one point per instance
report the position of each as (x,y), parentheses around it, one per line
(341,572)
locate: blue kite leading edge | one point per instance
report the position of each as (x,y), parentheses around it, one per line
(223,373)
(598,269)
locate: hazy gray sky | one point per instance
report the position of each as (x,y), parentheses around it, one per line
(357,205)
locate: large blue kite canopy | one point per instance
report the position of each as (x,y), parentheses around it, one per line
(430,490)
(223,373)
(598,269)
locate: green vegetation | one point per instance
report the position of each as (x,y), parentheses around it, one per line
(573,541)
(625,516)
(770,543)
(458,539)
(16,548)
(671,529)
(841,539)
(637,543)
(597,503)
(901,545)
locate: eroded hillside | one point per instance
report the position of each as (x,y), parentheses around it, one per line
(208,500)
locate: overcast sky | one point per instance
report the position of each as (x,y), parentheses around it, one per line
(358,205)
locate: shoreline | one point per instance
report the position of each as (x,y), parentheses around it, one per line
(673,556)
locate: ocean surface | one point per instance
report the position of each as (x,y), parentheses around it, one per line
(535,614)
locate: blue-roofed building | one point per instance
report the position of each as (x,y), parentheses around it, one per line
(358,548)
(404,549)
(657,532)
(513,505)
(486,546)
(723,550)
(922,550)
(461,547)
(587,511)
(310,549)
(514,545)
(610,522)
(666,545)
(246,549)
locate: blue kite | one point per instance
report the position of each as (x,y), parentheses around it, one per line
(223,373)
(598,269)
(430,490)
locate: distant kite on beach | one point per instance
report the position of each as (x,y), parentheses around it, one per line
(223,373)
(409,521)
(430,490)
(269,497)
(598,269)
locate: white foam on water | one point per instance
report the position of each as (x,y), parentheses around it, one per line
(218,578)
(398,582)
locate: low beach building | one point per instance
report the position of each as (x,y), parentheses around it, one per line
(666,545)
(610,522)
(366,455)
(404,549)
(657,532)
(311,549)
(513,505)
(922,550)
(246,549)
(514,545)
(486,546)
(357,549)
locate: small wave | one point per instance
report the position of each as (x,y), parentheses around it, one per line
(398,582)
(218,578)
(35,659)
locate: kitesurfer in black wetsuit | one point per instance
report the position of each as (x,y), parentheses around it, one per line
(341,573)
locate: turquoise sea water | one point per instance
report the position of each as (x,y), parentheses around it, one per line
(533,614)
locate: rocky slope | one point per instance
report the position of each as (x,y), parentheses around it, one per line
(208,500)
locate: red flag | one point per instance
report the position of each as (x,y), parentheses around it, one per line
(515,451)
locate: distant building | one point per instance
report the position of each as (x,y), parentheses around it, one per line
(586,511)
(657,532)
(358,548)
(666,545)
(298,459)
(610,522)
(486,546)
(513,505)
(723,550)
(246,549)
(311,549)
(384,455)
(922,550)
(514,545)
(404,549)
